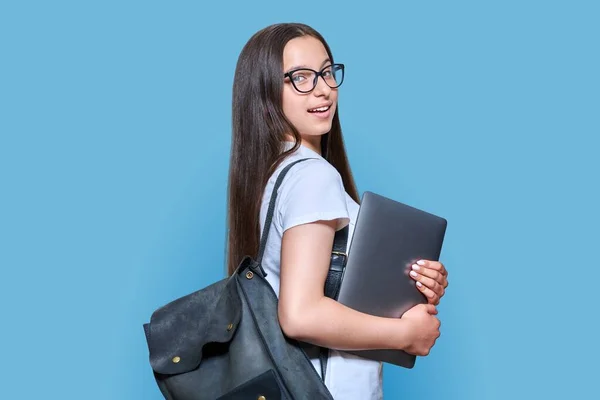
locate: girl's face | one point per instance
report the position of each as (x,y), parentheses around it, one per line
(310,113)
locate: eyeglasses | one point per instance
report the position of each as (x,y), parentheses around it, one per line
(305,79)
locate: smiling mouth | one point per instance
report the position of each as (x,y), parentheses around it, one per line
(319,109)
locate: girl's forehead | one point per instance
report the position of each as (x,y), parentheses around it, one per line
(305,51)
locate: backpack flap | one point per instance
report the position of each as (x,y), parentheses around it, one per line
(178,331)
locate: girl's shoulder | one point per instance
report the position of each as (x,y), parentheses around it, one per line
(311,168)
(312,190)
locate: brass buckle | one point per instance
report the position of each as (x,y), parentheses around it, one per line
(341,254)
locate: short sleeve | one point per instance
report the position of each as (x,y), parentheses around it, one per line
(313,191)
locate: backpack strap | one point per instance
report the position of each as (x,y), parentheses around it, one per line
(271,210)
(334,281)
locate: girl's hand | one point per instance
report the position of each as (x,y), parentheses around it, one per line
(423,329)
(432,279)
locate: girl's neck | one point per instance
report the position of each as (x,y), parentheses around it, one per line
(312,142)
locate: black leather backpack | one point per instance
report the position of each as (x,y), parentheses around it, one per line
(225,342)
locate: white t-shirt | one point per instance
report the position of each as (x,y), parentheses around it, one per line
(311,191)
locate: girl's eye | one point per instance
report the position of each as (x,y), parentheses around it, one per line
(301,77)
(298,78)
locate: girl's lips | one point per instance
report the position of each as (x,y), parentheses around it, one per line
(321,115)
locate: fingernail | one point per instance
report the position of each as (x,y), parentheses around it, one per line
(415,267)
(421,262)
(419,284)
(413,274)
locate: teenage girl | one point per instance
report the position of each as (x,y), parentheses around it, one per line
(285,96)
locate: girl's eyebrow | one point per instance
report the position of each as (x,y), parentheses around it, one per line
(305,66)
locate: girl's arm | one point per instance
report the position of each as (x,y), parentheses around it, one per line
(307,315)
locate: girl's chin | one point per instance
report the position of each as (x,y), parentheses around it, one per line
(319,129)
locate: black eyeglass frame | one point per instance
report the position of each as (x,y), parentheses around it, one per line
(317,75)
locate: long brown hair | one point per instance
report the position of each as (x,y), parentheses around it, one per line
(258,130)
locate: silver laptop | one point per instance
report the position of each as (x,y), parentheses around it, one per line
(388,238)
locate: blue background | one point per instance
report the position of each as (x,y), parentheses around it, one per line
(115,129)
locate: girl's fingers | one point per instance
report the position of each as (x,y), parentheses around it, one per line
(432,297)
(429,283)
